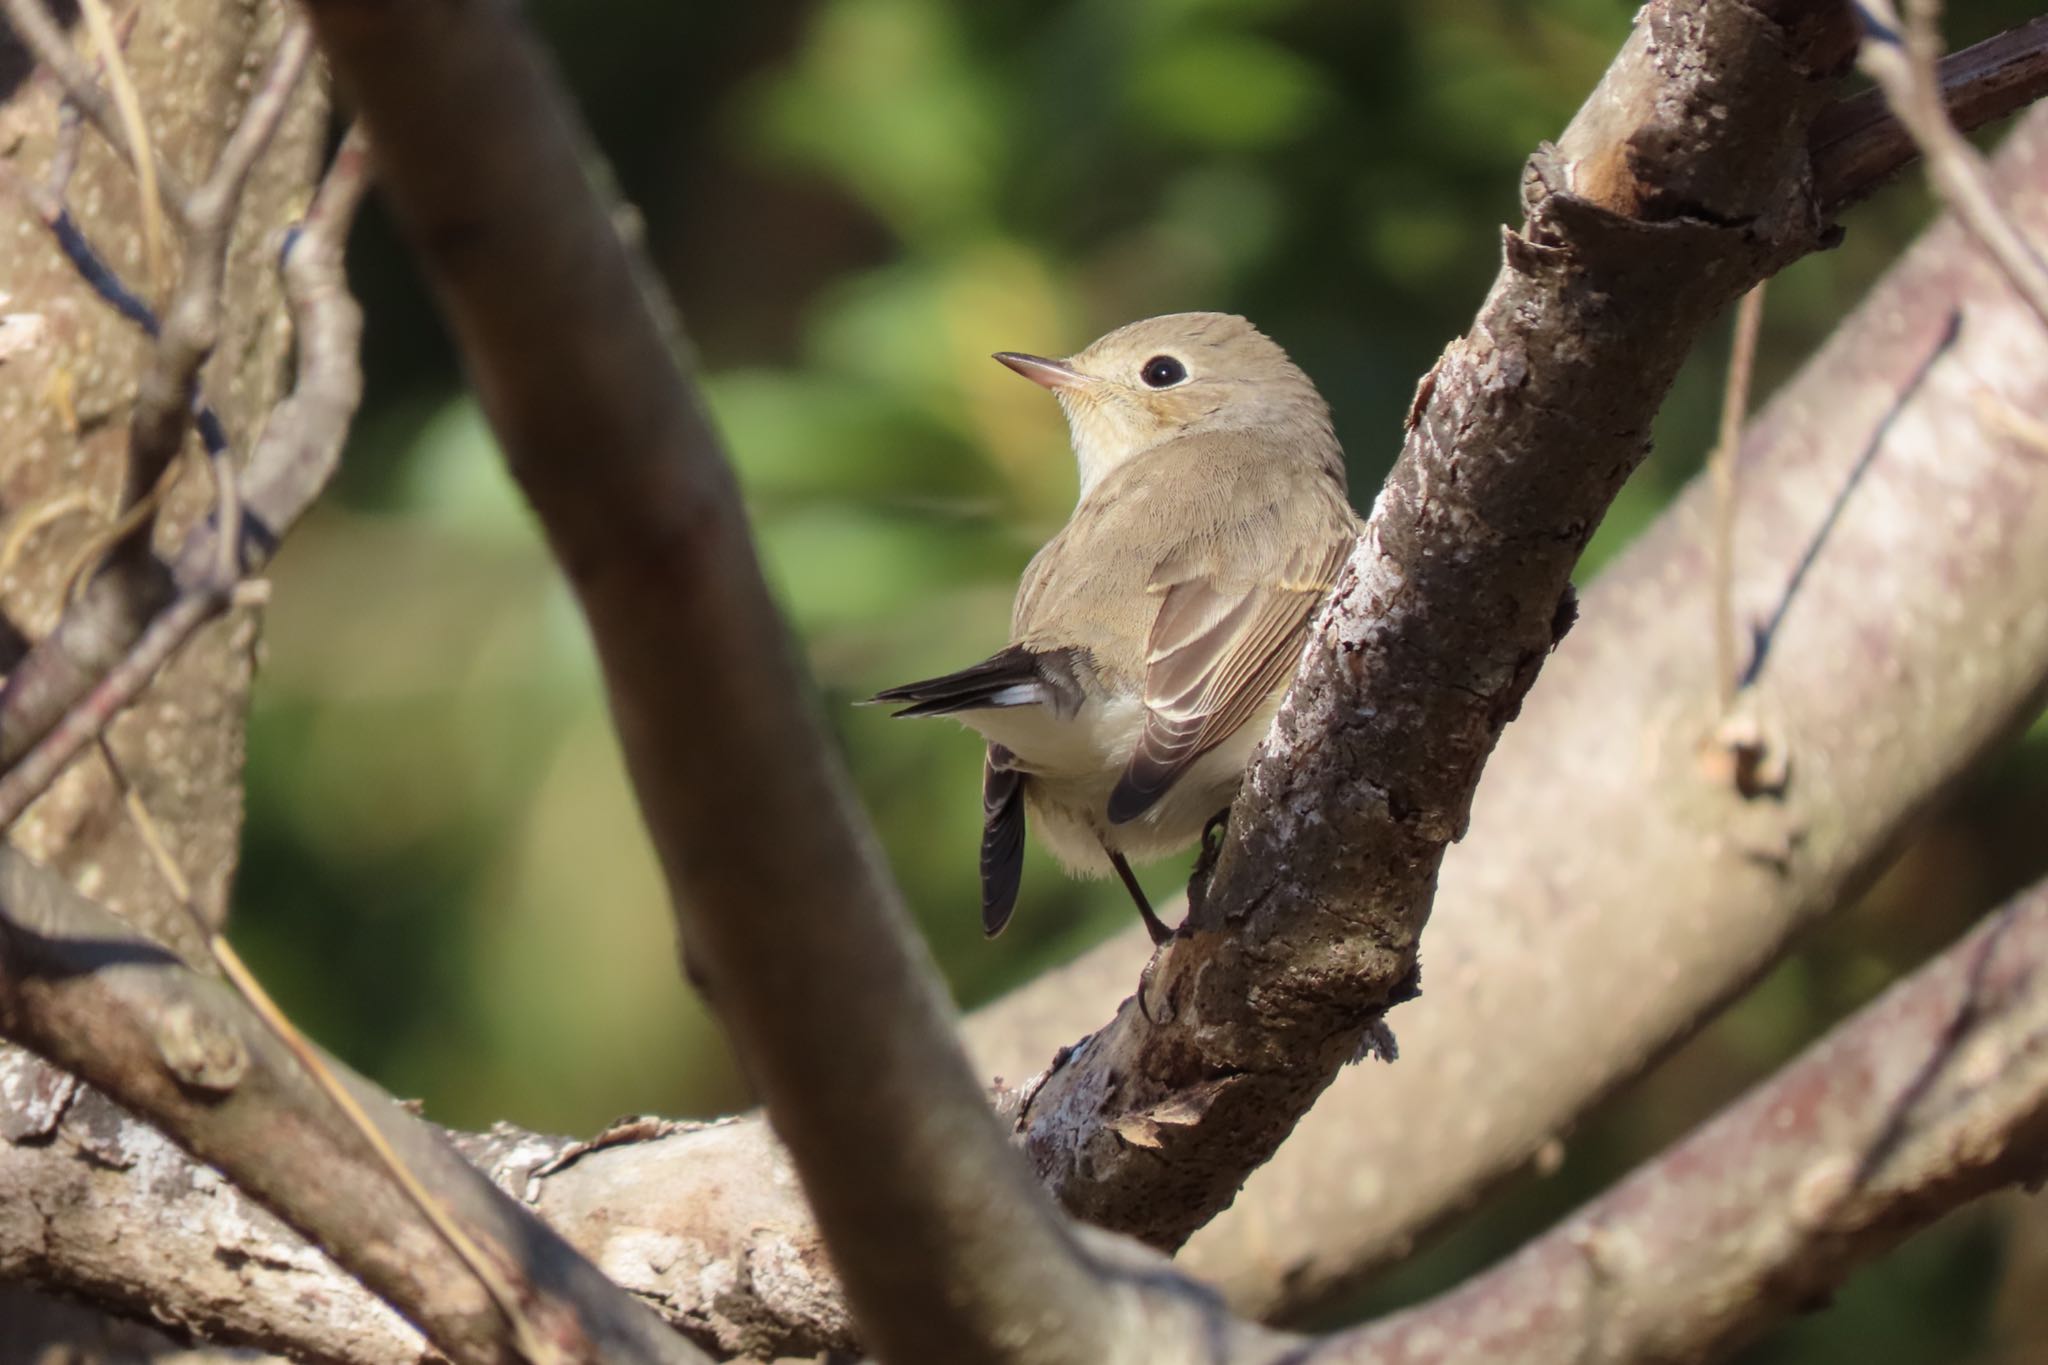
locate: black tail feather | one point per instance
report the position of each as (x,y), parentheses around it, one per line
(1002,839)
(972,688)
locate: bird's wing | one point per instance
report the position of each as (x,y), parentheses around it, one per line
(1002,838)
(1217,650)
(1016,676)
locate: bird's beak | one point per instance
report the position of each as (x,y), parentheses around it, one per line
(1050,374)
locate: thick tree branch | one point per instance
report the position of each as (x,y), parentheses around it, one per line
(782,905)
(1934,1095)
(97,1204)
(1381,1077)
(83,991)
(1682,182)
(1608,745)
(1876,502)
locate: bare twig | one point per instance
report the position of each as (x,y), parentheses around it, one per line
(1934,1095)
(289,466)
(128,105)
(112,640)
(71,129)
(169,389)
(1903,65)
(1858,143)
(39,32)
(1721,465)
(27,778)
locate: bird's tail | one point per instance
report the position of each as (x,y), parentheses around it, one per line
(1013,677)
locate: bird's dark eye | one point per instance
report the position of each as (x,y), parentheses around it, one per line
(1163,372)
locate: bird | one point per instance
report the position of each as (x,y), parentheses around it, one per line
(1154,636)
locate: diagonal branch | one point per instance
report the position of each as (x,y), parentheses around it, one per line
(1682,181)
(1877,503)
(293,459)
(1388,1150)
(39,31)
(121,605)
(1934,1095)
(84,991)
(1859,144)
(783,908)
(1903,65)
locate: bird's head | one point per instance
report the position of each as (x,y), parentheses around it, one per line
(1182,374)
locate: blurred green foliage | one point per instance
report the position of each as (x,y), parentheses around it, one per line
(856,201)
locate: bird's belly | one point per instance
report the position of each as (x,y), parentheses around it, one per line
(1090,746)
(1074,765)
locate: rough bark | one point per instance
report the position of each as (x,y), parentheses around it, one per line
(781,902)
(101,1205)
(1934,1095)
(65,404)
(1614,887)
(181,1050)
(1683,180)
(1905,692)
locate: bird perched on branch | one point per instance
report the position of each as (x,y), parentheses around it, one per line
(1154,636)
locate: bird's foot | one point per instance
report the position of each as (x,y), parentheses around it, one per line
(1205,861)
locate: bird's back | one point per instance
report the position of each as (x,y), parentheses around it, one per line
(1228,498)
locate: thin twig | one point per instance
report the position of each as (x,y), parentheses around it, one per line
(1858,143)
(169,388)
(287,469)
(2029,431)
(1903,65)
(41,35)
(64,150)
(112,694)
(46,202)
(1721,465)
(128,104)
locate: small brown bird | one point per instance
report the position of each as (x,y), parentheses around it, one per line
(1154,636)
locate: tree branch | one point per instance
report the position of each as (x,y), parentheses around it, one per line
(1876,500)
(1778,662)
(1681,182)
(82,990)
(96,1204)
(39,32)
(781,903)
(127,623)
(1934,1095)
(1903,65)
(1859,144)
(291,463)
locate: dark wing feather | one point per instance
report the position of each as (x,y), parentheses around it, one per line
(1216,653)
(1002,839)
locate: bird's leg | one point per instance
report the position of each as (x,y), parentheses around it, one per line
(1160,933)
